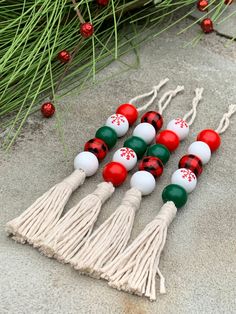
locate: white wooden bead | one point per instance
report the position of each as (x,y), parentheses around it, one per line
(88,162)
(143,181)
(180,127)
(185,178)
(126,156)
(145,131)
(119,123)
(201,150)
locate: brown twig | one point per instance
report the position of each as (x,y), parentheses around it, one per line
(78,12)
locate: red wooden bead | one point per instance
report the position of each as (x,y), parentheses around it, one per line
(211,138)
(154,118)
(47,109)
(202,5)
(207,25)
(98,147)
(192,163)
(115,173)
(153,165)
(86,29)
(169,139)
(64,56)
(129,111)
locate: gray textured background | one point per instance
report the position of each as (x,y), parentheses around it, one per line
(199,258)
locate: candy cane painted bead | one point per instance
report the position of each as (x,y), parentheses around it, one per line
(201,150)
(185,178)
(119,123)
(88,162)
(143,181)
(126,156)
(145,131)
(180,127)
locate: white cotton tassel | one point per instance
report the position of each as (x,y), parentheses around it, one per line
(72,230)
(135,269)
(45,212)
(110,239)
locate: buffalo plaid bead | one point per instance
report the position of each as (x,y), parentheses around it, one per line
(154,118)
(152,165)
(191,162)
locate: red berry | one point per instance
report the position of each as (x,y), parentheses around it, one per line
(102,2)
(64,56)
(129,111)
(98,147)
(169,139)
(115,173)
(202,5)
(48,109)
(207,25)
(228,2)
(86,29)
(154,118)
(153,165)
(211,138)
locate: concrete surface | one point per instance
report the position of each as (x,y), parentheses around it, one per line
(199,257)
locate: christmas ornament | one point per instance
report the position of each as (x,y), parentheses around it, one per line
(135,269)
(35,223)
(207,25)
(48,109)
(86,30)
(71,231)
(153,118)
(211,138)
(115,173)
(153,165)
(102,2)
(98,147)
(119,123)
(64,56)
(129,111)
(111,238)
(192,163)
(126,156)
(202,5)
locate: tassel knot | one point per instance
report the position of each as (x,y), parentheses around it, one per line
(75,179)
(104,191)
(167,213)
(132,199)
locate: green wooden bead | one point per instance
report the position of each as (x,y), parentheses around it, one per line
(159,151)
(176,194)
(108,135)
(137,144)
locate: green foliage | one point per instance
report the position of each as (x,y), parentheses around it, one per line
(32,33)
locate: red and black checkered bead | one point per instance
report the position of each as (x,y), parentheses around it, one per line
(154,118)
(96,146)
(152,165)
(191,162)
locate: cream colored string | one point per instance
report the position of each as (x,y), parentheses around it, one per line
(193,112)
(224,122)
(163,102)
(153,92)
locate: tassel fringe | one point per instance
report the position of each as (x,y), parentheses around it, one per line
(135,269)
(70,233)
(110,238)
(44,213)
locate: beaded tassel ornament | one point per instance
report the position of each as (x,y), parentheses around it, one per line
(45,212)
(135,269)
(111,238)
(70,233)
